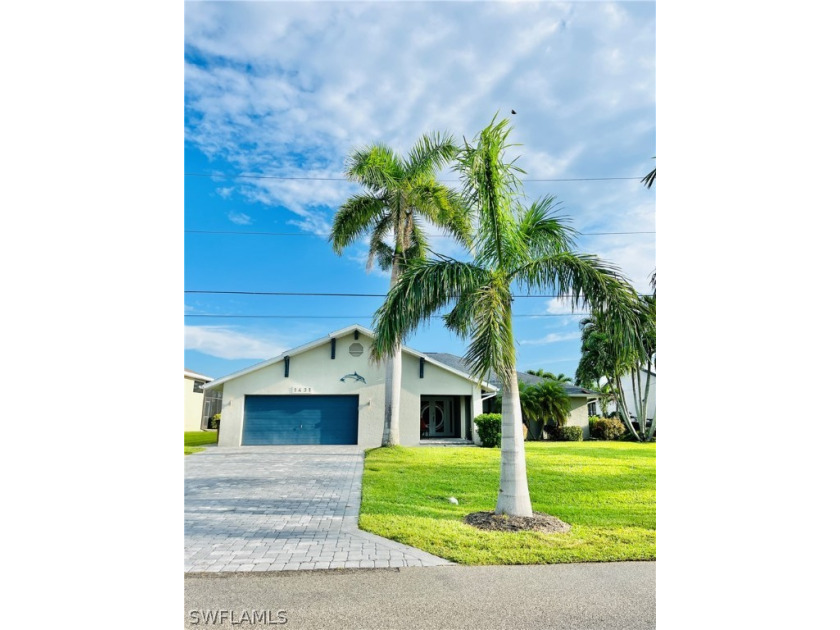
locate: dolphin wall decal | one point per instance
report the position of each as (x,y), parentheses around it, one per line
(354,377)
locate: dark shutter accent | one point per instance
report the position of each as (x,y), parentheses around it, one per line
(356,334)
(286,360)
(422,365)
(332,348)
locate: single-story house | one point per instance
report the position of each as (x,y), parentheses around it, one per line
(579,397)
(194,399)
(627,386)
(329,391)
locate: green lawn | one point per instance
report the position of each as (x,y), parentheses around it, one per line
(605,490)
(193,440)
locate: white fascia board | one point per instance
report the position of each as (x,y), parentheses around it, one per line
(449,368)
(289,353)
(349,329)
(197,376)
(334,335)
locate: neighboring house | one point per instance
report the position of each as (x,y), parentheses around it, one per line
(195,417)
(330,392)
(627,385)
(579,397)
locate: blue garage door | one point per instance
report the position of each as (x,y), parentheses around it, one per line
(301,420)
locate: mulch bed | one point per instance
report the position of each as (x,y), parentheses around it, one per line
(540,522)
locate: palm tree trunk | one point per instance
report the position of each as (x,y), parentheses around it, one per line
(393,383)
(637,400)
(514,498)
(621,407)
(648,434)
(652,428)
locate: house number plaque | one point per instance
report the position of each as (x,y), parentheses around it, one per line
(301,390)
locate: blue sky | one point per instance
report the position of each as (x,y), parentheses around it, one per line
(289,89)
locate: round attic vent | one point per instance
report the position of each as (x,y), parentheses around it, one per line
(356,349)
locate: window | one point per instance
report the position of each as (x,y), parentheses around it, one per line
(197,387)
(590,408)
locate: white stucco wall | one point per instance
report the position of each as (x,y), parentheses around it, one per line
(436,381)
(314,371)
(578,416)
(193,406)
(626,384)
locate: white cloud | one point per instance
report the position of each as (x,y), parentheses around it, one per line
(267,87)
(551,338)
(225,192)
(268,90)
(564,306)
(240,218)
(227,343)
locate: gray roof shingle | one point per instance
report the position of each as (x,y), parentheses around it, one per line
(458,363)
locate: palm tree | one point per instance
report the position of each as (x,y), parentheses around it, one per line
(514,245)
(543,404)
(560,378)
(650,178)
(401,194)
(602,357)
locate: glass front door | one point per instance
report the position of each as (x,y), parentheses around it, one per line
(436,418)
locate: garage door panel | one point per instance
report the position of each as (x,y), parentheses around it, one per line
(301,420)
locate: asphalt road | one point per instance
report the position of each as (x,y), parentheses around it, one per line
(596,596)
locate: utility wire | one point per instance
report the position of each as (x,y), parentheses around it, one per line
(358,316)
(313,234)
(344,179)
(294,293)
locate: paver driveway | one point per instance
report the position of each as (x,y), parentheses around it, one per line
(270,508)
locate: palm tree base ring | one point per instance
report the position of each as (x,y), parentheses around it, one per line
(539,522)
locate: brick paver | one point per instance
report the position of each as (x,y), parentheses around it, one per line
(282,508)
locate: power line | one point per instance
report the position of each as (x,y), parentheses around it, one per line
(344,179)
(295,293)
(313,234)
(357,317)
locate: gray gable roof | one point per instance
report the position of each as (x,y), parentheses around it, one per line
(458,363)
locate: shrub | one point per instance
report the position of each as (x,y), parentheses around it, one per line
(606,428)
(552,431)
(570,434)
(489,427)
(213,422)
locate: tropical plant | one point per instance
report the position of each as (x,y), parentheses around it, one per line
(604,357)
(560,378)
(650,178)
(568,434)
(401,194)
(529,247)
(489,427)
(606,428)
(543,404)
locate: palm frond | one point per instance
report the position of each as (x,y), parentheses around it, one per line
(423,287)
(490,186)
(648,179)
(543,231)
(383,228)
(491,335)
(587,281)
(443,207)
(354,218)
(430,153)
(418,243)
(376,167)
(382,253)
(460,319)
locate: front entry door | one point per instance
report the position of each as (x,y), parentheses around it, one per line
(436,414)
